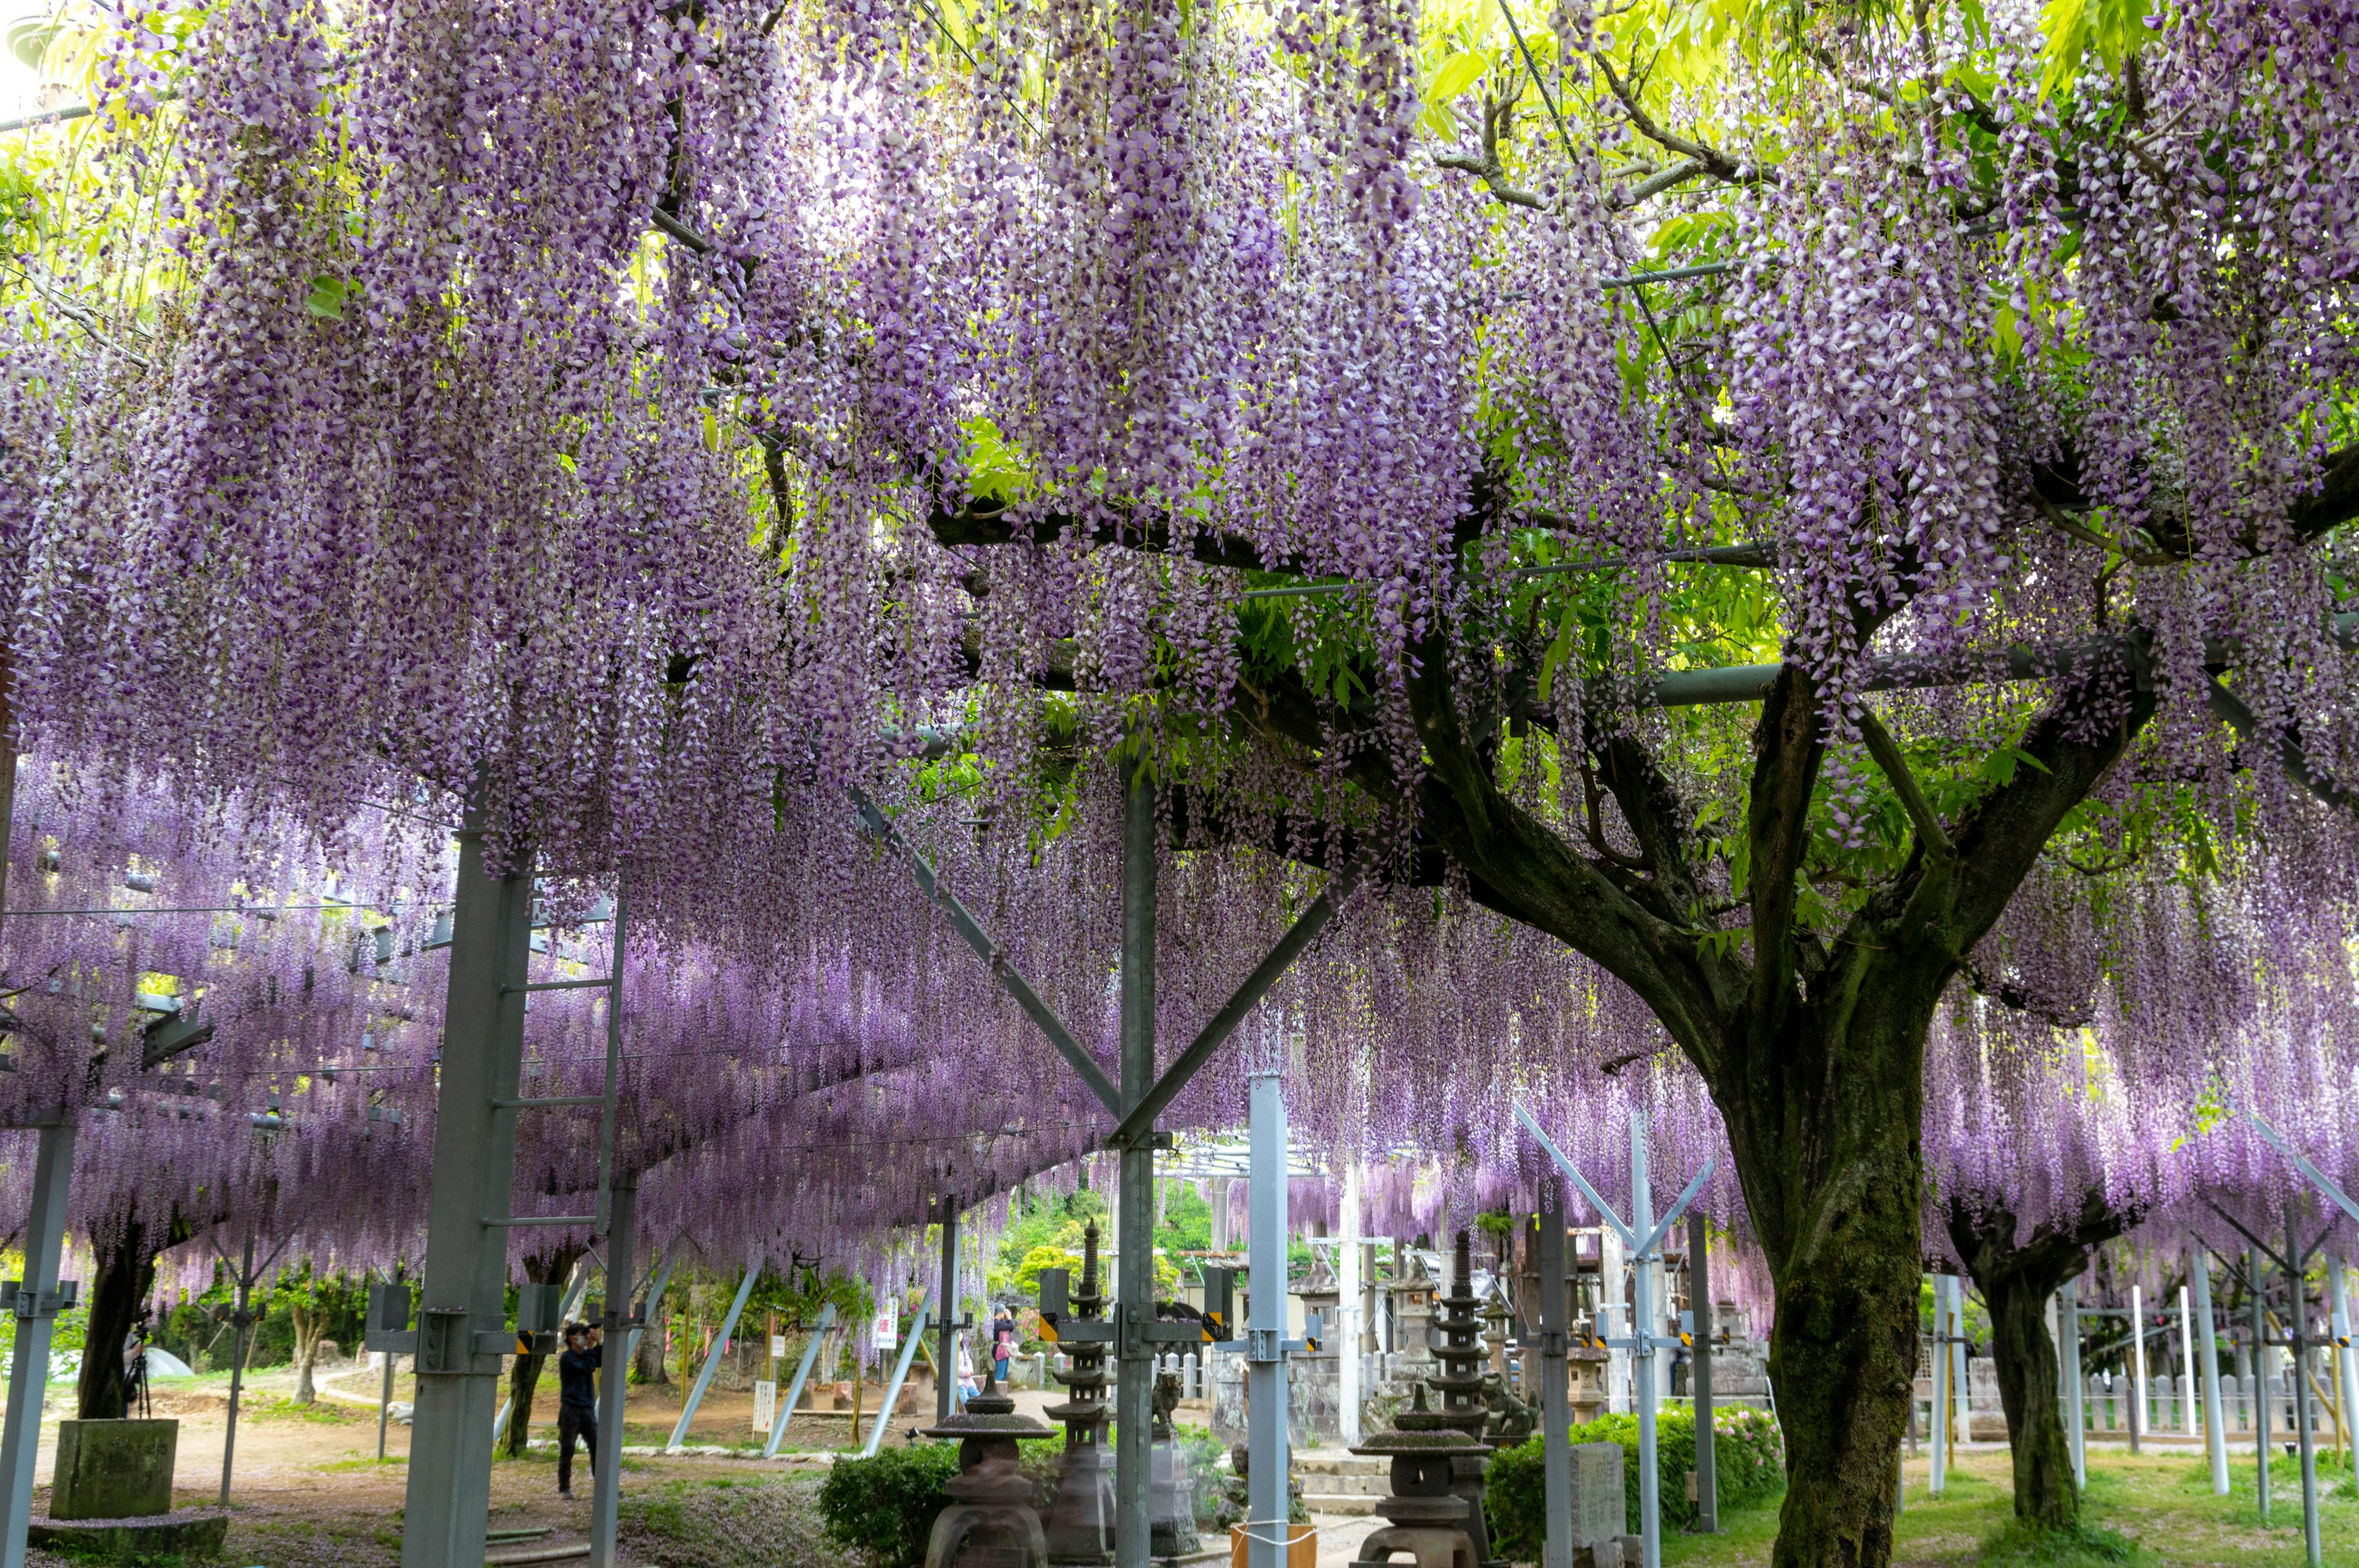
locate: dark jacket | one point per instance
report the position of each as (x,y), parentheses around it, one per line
(576,1383)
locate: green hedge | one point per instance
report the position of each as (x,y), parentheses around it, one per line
(884,1507)
(1748,1456)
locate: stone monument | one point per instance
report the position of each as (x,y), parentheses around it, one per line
(989,1522)
(111,1495)
(1172,1507)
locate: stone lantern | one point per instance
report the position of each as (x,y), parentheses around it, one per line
(989,1522)
(1426,1517)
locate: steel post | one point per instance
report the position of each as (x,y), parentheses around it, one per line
(946,1319)
(1556,1399)
(461,1329)
(2262,1413)
(893,1390)
(36,1310)
(243,1316)
(1134,1458)
(1699,1376)
(2138,1365)
(2185,1364)
(1940,1361)
(614,1368)
(1642,1348)
(2346,1360)
(2068,1335)
(713,1356)
(1267,1462)
(653,1299)
(2298,1319)
(802,1375)
(1346,1327)
(2215,1419)
(1960,1381)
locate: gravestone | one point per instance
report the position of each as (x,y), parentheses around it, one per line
(1598,1507)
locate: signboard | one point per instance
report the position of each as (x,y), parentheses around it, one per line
(766,1406)
(885,1332)
(777,1346)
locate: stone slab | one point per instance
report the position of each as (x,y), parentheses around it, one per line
(114,1469)
(193,1535)
(1598,1512)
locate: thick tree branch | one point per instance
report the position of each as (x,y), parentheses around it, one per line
(1709,159)
(2065,753)
(1787,751)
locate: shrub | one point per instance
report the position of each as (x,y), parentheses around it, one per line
(1748,1458)
(884,1506)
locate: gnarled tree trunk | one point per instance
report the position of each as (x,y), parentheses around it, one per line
(125,1278)
(2016,1283)
(311,1323)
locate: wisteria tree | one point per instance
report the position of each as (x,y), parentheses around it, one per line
(1733,488)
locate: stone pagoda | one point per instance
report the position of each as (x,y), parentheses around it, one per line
(1079,1526)
(1463,1410)
(989,1522)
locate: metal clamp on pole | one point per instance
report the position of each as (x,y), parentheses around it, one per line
(30,1304)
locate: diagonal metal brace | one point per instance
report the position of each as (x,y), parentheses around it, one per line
(879,827)
(1605,1209)
(1140,1122)
(2318,1178)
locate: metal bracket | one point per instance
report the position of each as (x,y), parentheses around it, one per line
(28,1305)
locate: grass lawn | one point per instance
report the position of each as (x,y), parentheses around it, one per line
(2160,1504)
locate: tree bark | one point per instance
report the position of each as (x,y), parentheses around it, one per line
(2016,1283)
(125,1278)
(310,1325)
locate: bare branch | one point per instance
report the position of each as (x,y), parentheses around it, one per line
(1709,159)
(1497,113)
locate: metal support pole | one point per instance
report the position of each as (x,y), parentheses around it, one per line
(1941,1360)
(654,1297)
(1347,1313)
(2138,1365)
(384,1406)
(461,1328)
(1699,1376)
(1556,1401)
(244,1318)
(614,1369)
(1134,1458)
(893,1390)
(2215,1419)
(36,1308)
(2346,1361)
(2298,1319)
(2185,1364)
(1961,1382)
(946,1320)
(2261,1410)
(713,1356)
(2068,1335)
(802,1375)
(1643,1333)
(1265,1471)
